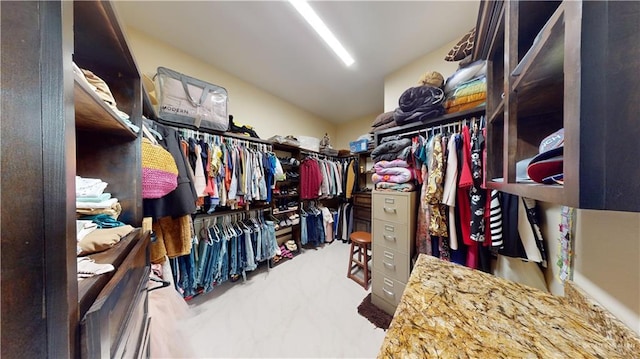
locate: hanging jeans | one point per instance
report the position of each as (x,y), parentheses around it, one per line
(251,259)
(270,233)
(213,260)
(186,280)
(233,249)
(303,229)
(204,257)
(261,252)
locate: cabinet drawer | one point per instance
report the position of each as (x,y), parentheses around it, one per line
(362,213)
(361,199)
(389,207)
(387,288)
(391,263)
(392,235)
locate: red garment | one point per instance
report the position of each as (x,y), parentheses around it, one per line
(465,183)
(466,179)
(310,179)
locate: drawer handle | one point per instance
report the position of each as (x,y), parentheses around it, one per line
(389,210)
(388,255)
(388,293)
(389,238)
(389,200)
(389,228)
(389,265)
(388,282)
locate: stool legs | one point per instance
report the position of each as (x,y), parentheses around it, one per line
(362,262)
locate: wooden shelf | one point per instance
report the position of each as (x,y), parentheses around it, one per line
(448,118)
(543,63)
(93,114)
(283,212)
(540,192)
(498,113)
(89,288)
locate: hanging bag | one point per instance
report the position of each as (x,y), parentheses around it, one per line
(184,100)
(159,170)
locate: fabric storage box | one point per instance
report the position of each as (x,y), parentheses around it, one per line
(358,146)
(184,100)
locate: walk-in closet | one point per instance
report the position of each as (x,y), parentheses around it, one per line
(319,179)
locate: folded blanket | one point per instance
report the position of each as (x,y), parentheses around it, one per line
(471,87)
(382,119)
(385,126)
(466,106)
(461,100)
(402,175)
(389,186)
(389,164)
(392,171)
(391,146)
(464,74)
(419,103)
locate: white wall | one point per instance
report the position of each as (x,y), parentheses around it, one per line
(350,131)
(268,114)
(607,261)
(398,81)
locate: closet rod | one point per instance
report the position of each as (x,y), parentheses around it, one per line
(210,137)
(203,217)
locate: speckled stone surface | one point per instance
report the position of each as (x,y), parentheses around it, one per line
(609,326)
(450,311)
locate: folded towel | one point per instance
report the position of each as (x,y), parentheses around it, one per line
(99,198)
(93,205)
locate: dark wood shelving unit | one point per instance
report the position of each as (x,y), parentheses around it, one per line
(563,65)
(93,114)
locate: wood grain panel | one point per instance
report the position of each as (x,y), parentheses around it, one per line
(22,240)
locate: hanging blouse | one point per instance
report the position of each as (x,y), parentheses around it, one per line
(438,222)
(477,194)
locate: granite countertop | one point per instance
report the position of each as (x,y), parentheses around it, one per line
(450,311)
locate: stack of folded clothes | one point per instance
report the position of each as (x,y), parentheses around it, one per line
(391,148)
(383,121)
(92,200)
(467,87)
(396,175)
(467,95)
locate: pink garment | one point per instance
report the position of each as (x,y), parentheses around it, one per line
(395,175)
(388,164)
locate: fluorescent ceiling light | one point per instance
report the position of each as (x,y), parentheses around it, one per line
(314,20)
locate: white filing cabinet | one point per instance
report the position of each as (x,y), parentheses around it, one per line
(393,230)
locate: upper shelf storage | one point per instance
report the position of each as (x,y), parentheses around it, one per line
(441,120)
(543,63)
(569,65)
(92,113)
(99,42)
(100,46)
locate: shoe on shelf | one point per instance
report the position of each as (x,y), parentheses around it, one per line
(291,245)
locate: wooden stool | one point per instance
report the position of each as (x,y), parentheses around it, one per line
(361,240)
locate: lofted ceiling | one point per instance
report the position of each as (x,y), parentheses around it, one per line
(268,44)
